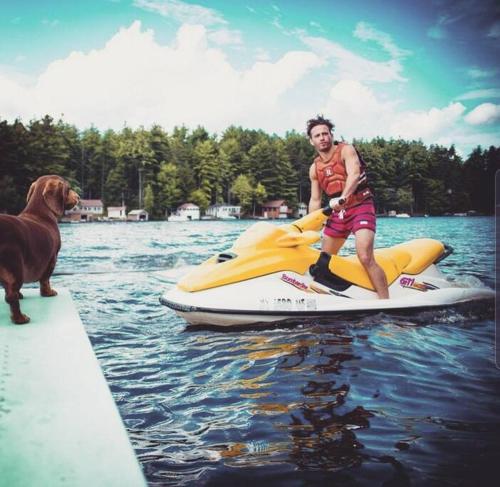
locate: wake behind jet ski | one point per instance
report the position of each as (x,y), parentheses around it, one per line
(272,273)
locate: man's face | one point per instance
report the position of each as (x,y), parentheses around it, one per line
(321,138)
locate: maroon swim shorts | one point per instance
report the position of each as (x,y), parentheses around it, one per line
(341,224)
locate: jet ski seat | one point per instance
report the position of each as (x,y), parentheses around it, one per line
(423,253)
(407,258)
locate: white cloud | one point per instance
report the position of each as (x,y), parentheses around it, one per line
(50,23)
(466,140)
(188,13)
(485,93)
(356,110)
(366,32)
(262,55)
(484,114)
(13,97)
(348,65)
(359,113)
(316,25)
(427,125)
(135,80)
(182,12)
(225,37)
(439,29)
(477,73)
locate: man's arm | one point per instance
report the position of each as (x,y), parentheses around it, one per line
(315,201)
(353,168)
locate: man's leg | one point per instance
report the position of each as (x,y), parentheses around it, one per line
(331,244)
(364,249)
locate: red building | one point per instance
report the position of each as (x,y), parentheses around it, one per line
(275,209)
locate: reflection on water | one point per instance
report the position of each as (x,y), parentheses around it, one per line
(406,399)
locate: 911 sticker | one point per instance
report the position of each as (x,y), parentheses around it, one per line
(411,283)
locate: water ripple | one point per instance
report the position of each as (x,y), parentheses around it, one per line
(366,400)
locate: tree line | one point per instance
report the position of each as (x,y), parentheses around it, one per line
(240,166)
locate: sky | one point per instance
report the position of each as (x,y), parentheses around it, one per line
(419,69)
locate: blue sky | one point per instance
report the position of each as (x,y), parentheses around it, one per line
(411,69)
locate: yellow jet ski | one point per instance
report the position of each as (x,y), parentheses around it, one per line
(273,273)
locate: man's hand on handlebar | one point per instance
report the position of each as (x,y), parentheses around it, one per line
(337,204)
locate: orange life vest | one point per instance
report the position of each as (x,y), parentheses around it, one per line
(332,175)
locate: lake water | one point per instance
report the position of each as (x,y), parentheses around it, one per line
(373,400)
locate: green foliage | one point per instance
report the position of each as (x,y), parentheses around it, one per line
(242,190)
(248,166)
(199,198)
(207,169)
(169,186)
(149,199)
(259,195)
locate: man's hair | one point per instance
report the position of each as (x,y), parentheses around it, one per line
(319,120)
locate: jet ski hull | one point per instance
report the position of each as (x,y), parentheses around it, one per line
(287,296)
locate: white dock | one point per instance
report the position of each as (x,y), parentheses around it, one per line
(59,424)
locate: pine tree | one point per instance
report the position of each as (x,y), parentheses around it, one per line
(207,169)
(242,190)
(149,200)
(169,186)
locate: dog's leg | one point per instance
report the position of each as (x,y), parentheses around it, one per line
(45,290)
(12,287)
(12,298)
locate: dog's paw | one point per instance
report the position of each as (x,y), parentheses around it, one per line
(48,293)
(20,319)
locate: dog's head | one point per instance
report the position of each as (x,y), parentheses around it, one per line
(55,192)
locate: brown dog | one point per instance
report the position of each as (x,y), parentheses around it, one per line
(30,242)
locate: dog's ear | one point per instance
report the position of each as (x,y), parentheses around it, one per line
(30,192)
(54,195)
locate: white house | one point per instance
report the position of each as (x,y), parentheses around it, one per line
(301,210)
(185,212)
(85,210)
(138,216)
(93,207)
(117,212)
(223,211)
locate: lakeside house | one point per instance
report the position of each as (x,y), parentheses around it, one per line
(138,216)
(117,213)
(393,213)
(185,212)
(301,210)
(275,209)
(85,211)
(224,211)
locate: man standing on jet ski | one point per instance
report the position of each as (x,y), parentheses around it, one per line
(340,173)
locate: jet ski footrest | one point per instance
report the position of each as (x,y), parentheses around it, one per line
(322,274)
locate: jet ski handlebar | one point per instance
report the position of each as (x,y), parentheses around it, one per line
(315,219)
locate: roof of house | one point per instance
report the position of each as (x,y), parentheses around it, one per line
(186,206)
(117,208)
(274,204)
(90,202)
(224,205)
(137,212)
